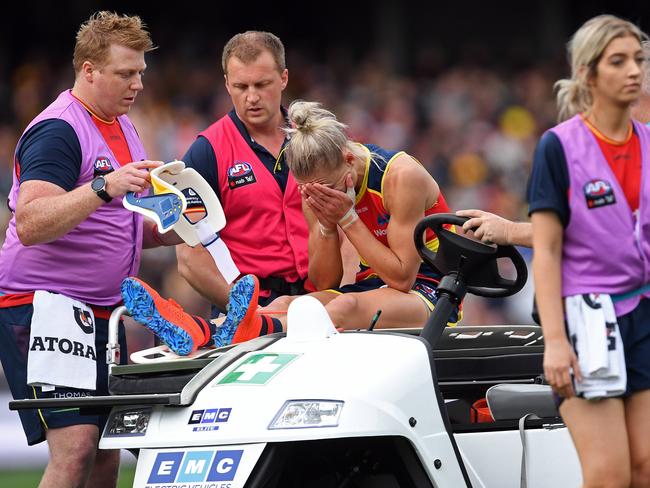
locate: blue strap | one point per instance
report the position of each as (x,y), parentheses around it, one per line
(624,296)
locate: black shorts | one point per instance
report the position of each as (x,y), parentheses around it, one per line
(15,323)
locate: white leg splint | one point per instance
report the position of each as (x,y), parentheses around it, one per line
(202,212)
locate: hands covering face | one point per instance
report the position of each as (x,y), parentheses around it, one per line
(329,204)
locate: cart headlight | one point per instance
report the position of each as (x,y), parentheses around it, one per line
(301,414)
(128,422)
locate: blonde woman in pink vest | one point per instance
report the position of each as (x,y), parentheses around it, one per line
(590,206)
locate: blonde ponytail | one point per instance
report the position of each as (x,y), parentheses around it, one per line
(317,139)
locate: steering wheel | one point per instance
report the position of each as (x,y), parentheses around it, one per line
(474,261)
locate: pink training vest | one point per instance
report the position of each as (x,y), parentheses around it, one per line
(90,261)
(604,250)
(266,231)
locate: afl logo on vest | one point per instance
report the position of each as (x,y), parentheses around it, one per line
(103,166)
(599,193)
(240,174)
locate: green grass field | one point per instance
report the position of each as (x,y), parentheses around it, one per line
(30,478)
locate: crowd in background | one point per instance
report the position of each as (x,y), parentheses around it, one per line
(474,129)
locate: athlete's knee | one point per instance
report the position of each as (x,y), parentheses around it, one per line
(342,307)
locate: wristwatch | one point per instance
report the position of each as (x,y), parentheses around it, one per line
(99,187)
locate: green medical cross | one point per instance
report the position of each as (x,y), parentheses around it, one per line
(257,369)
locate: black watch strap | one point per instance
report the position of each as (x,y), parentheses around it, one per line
(99,187)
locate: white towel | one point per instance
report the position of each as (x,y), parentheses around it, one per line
(594,332)
(62,343)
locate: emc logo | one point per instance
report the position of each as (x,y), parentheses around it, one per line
(208,418)
(195,466)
